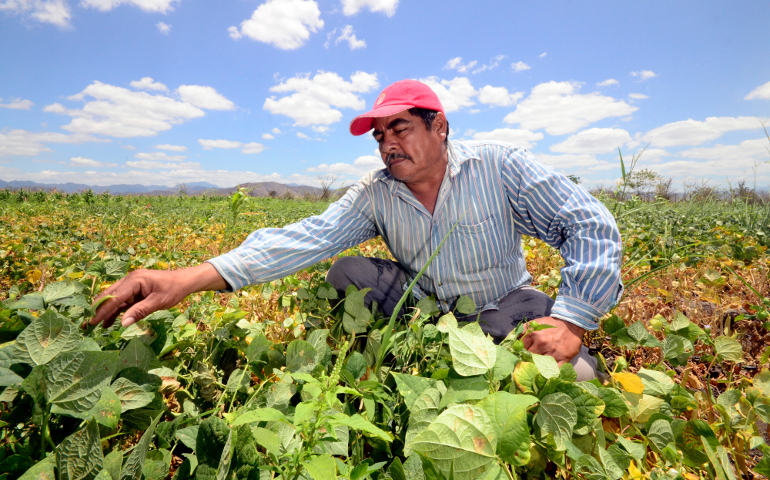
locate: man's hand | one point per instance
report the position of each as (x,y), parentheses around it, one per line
(143,292)
(562,342)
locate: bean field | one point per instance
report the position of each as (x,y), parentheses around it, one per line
(287,381)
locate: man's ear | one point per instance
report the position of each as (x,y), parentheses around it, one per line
(440,125)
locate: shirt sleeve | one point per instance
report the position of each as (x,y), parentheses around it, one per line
(272,253)
(548,205)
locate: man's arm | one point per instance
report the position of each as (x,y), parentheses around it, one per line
(550,206)
(145,291)
(267,254)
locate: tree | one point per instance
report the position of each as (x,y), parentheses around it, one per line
(326,182)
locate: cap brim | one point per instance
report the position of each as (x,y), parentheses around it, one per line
(363,123)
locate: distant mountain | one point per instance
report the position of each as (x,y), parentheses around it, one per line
(263,189)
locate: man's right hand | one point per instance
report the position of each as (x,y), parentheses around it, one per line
(143,292)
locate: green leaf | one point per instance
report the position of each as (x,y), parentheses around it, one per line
(267,439)
(508,415)
(524,376)
(359,423)
(762,381)
(546,365)
(8,377)
(656,383)
(557,416)
(106,411)
(223,467)
(79,456)
(588,406)
(462,439)
(138,355)
(187,436)
(322,467)
(42,470)
(465,305)
(411,386)
(356,316)
(300,357)
(504,364)
(356,365)
(677,349)
(728,349)
(259,415)
(660,433)
(689,441)
(422,414)
(239,381)
(462,389)
(642,406)
(31,301)
(131,395)
(46,337)
(156,465)
(614,404)
(54,292)
(113,463)
(75,380)
(472,352)
(132,470)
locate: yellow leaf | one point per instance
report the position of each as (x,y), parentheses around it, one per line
(630,382)
(634,472)
(162,265)
(33,276)
(75,275)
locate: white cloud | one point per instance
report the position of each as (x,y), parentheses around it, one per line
(17,104)
(154,6)
(119,112)
(593,140)
(171,148)
(147,83)
(542,55)
(693,132)
(247,148)
(347,35)
(159,156)
(747,150)
(313,97)
(360,167)
(152,165)
(608,82)
(644,74)
(721,162)
(454,94)
(457,64)
(520,66)
(87,162)
(303,136)
(267,136)
(56,12)
(351,7)
(234,33)
(128,147)
(762,92)
(163,28)
(559,109)
(204,97)
(24,143)
(498,96)
(286,24)
(320,128)
(637,96)
(520,138)
(276,130)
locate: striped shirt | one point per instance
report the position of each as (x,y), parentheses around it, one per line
(495,193)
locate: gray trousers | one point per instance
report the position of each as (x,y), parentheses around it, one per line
(387,280)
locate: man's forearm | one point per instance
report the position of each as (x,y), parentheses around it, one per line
(201,278)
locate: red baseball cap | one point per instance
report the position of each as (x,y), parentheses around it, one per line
(396,98)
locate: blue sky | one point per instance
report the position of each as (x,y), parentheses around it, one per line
(177,91)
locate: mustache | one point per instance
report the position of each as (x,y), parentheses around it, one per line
(393,156)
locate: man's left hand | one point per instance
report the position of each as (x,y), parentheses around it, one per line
(562,342)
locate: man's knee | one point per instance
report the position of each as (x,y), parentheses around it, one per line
(340,275)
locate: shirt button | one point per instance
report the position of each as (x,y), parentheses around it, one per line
(440,284)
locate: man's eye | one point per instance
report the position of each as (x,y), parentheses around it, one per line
(399,132)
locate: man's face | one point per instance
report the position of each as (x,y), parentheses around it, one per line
(411,153)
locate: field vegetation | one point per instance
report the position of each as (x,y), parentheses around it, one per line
(285,380)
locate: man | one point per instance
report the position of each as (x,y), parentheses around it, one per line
(491,191)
